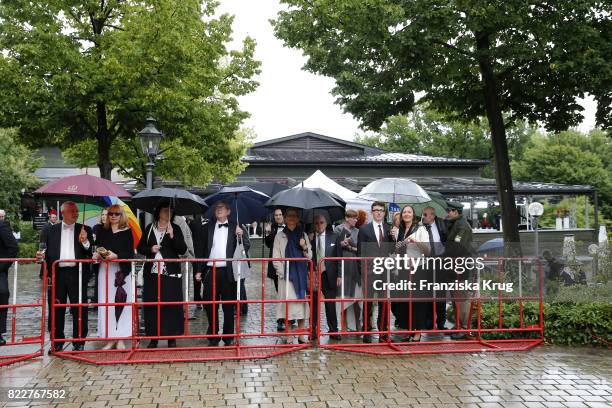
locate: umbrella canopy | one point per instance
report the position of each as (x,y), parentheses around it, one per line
(495,245)
(181,201)
(91,213)
(394,190)
(268,188)
(247,205)
(309,199)
(437,202)
(83,185)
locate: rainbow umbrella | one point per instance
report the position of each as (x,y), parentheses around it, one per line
(91,214)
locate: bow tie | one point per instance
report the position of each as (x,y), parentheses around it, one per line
(226,225)
(427,226)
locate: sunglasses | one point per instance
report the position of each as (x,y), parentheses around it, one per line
(114,214)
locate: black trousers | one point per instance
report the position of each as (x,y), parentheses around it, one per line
(67,288)
(330,307)
(197,287)
(4,300)
(225,290)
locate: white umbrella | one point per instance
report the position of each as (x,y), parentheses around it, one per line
(394,190)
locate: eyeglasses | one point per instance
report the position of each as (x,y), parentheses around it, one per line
(114,214)
(378,210)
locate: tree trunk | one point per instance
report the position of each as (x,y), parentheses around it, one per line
(503,175)
(104,142)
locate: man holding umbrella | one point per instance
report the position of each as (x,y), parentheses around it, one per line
(68,240)
(222,237)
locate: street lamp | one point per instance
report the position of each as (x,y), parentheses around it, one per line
(150,140)
(536,210)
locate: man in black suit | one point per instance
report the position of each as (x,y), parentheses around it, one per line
(279,224)
(8,249)
(374,240)
(325,244)
(221,240)
(68,240)
(198,234)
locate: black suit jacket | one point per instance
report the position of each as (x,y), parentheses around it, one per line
(8,245)
(171,248)
(367,245)
(332,249)
(230,247)
(269,241)
(53,239)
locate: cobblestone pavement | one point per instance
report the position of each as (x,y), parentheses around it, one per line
(543,377)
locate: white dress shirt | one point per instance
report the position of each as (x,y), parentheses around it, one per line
(320,251)
(67,245)
(219,245)
(378,231)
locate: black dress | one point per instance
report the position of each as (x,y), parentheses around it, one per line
(171,316)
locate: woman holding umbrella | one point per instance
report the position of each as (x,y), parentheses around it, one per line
(162,239)
(114,241)
(292,242)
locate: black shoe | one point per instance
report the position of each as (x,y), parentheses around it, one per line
(2,341)
(335,337)
(244,311)
(367,338)
(228,341)
(458,336)
(199,307)
(78,347)
(152,344)
(213,342)
(383,338)
(441,326)
(280,325)
(56,348)
(171,343)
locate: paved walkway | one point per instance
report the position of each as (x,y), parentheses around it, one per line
(543,377)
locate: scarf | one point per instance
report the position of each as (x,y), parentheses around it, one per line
(298,270)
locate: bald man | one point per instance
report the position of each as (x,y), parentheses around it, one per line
(68,240)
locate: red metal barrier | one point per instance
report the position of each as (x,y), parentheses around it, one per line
(525,337)
(24,347)
(248,344)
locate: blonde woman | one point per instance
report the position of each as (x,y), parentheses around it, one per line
(292,242)
(116,237)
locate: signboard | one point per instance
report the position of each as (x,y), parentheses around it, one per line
(394,207)
(39,221)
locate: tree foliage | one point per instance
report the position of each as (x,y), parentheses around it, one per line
(571,157)
(17,166)
(85,74)
(469,58)
(425,131)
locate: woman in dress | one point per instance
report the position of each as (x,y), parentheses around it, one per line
(116,237)
(292,242)
(163,239)
(348,232)
(405,244)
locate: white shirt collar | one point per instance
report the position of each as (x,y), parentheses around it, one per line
(69,226)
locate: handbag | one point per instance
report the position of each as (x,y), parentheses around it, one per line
(241,269)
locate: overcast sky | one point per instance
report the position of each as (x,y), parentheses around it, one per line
(288,99)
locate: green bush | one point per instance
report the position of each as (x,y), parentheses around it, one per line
(27,250)
(28,234)
(565,323)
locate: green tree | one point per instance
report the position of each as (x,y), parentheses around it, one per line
(17,166)
(425,131)
(571,157)
(85,74)
(469,58)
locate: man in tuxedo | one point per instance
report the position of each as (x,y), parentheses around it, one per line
(8,249)
(68,240)
(326,244)
(374,240)
(221,240)
(43,235)
(279,224)
(435,235)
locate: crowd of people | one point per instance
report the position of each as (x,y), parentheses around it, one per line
(287,237)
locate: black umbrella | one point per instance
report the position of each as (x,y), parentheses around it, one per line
(182,202)
(309,199)
(246,204)
(268,188)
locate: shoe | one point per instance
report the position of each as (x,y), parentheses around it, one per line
(406,339)
(302,339)
(280,325)
(441,326)
(78,347)
(383,338)
(213,342)
(415,339)
(367,338)
(199,307)
(152,344)
(171,343)
(335,336)
(244,311)
(121,345)
(56,348)
(458,336)
(228,342)
(109,346)
(2,341)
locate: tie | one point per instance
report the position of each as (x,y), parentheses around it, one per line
(380,235)
(226,225)
(320,250)
(431,240)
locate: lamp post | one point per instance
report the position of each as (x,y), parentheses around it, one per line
(536,210)
(150,140)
